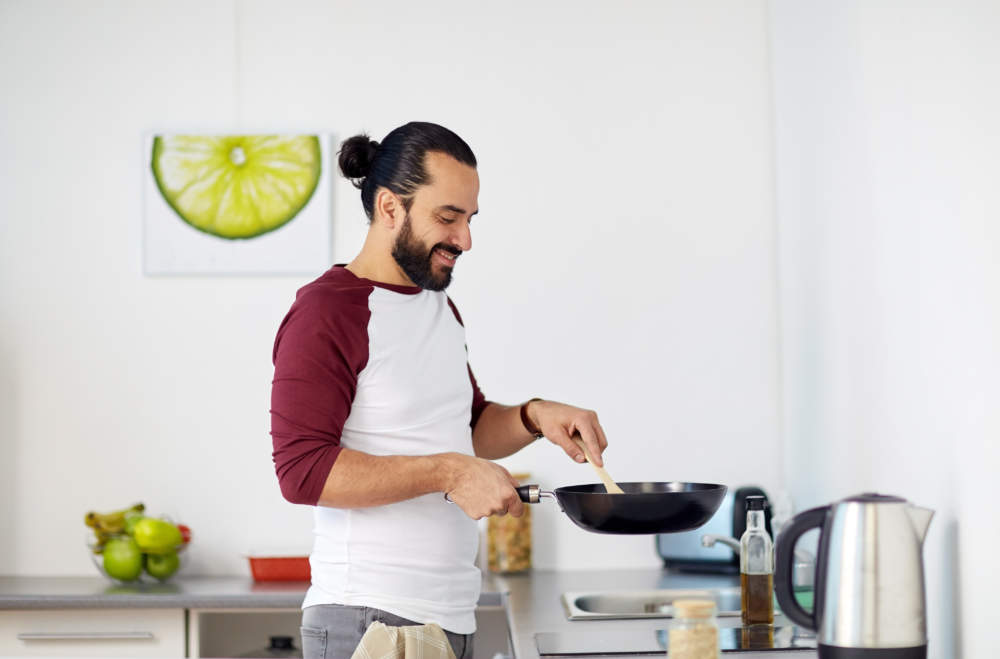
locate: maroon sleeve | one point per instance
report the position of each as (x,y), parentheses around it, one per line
(479,401)
(321,346)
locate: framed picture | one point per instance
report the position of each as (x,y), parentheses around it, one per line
(236,204)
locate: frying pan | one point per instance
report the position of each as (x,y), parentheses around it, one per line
(644,508)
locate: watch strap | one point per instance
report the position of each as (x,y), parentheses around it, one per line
(528,425)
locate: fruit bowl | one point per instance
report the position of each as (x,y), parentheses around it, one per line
(127,546)
(155,568)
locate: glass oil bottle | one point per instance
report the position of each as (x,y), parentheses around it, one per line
(756,567)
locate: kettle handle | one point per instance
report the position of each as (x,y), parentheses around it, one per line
(784,554)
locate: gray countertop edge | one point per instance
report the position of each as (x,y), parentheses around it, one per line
(148,602)
(39,593)
(43,602)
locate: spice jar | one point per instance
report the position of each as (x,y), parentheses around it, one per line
(694,633)
(508,539)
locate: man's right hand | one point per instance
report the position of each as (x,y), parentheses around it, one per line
(480,487)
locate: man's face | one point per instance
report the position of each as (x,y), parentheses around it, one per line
(435,231)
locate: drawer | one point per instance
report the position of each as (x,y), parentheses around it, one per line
(93,632)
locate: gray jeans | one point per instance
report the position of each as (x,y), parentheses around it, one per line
(333,631)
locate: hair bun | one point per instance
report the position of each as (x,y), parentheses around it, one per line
(356,157)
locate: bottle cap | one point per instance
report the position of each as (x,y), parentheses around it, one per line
(691,608)
(755,503)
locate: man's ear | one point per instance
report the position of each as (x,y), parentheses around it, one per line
(389,207)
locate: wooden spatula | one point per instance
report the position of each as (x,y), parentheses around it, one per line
(609,484)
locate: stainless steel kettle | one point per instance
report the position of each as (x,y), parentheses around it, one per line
(869,586)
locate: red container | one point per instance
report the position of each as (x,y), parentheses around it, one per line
(280,568)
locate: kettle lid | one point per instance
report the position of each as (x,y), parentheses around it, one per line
(874,497)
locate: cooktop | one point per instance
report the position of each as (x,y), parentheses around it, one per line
(733,639)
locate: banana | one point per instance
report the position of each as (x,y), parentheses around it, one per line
(113,522)
(100,537)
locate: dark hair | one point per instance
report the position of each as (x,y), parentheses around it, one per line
(398,162)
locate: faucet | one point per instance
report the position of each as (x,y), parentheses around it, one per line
(709,540)
(803,571)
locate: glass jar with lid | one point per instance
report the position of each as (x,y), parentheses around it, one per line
(694,633)
(508,539)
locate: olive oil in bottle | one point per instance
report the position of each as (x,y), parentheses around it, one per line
(756,567)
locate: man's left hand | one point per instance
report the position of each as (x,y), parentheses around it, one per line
(559,422)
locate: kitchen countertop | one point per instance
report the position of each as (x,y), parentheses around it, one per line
(532,600)
(185,593)
(189,592)
(534,606)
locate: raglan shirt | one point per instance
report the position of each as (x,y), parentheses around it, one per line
(382,369)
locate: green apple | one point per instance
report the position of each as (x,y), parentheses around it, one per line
(156,536)
(122,558)
(162,566)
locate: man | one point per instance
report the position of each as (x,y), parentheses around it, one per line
(376,413)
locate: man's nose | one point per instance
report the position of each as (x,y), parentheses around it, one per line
(463,237)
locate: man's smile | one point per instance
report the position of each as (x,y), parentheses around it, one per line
(446,255)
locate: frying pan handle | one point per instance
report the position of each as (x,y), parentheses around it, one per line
(532,493)
(527,493)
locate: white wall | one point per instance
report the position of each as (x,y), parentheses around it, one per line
(624,255)
(887,202)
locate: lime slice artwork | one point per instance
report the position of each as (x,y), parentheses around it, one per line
(236,187)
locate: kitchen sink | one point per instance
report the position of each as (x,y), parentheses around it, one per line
(636,604)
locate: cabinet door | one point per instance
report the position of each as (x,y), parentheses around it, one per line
(93,633)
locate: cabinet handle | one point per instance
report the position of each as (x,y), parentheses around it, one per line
(81,636)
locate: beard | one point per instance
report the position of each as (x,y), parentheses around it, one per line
(415,259)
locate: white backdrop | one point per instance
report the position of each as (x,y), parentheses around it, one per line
(629,255)
(890,282)
(623,258)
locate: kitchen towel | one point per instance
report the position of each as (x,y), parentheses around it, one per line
(410,642)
